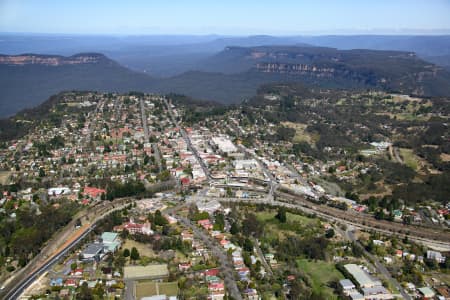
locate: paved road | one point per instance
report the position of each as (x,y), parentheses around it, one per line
(147,134)
(56,247)
(20,287)
(129,290)
(188,141)
(261,257)
(273,181)
(226,267)
(195,152)
(349,235)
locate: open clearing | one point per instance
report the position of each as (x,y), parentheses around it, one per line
(4,177)
(445,157)
(266,217)
(146,250)
(143,249)
(409,158)
(150,288)
(321,273)
(300,132)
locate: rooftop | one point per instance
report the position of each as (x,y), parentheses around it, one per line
(93,249)
(109,237)
(361,276)
(427,292)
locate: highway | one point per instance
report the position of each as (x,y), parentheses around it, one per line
(56,248)
(20,287)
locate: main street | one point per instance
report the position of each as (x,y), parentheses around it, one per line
(147,134)
(188,141)
(267,173)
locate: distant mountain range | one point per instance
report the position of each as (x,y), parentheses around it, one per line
(170,55)
(228,76)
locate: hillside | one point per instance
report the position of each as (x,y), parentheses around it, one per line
(227,77)
(27,80)
(390,70)
(170,55)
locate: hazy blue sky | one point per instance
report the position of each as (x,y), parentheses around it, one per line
(223,17)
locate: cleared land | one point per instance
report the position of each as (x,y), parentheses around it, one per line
(410,159)
(300,132)
(4,177)
(267,216)
(150,288)
(144,249)
(445,157)
(321,273)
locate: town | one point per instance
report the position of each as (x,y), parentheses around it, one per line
(137,196)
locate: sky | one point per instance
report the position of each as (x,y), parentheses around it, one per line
(227,17)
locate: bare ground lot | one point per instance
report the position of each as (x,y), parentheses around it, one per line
(4,177)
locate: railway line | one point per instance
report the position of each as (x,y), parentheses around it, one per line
(436,239)
(368,222)
(60,244)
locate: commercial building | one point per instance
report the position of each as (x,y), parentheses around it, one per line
(94,251)
(224,144)
(110,241)
(435,255)
(363,278)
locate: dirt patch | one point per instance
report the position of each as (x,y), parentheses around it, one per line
(143,249)
(4,177)
(445,157)
(300,132)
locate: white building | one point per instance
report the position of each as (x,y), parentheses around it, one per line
(245,164)
(58,191)
(362,277)
(437,256)
(224,144)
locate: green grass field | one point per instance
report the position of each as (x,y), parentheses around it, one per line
(267,216)
(302,219)
(150,288)
(321,273)
(409,158)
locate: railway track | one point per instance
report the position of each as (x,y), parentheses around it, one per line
(369,223)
